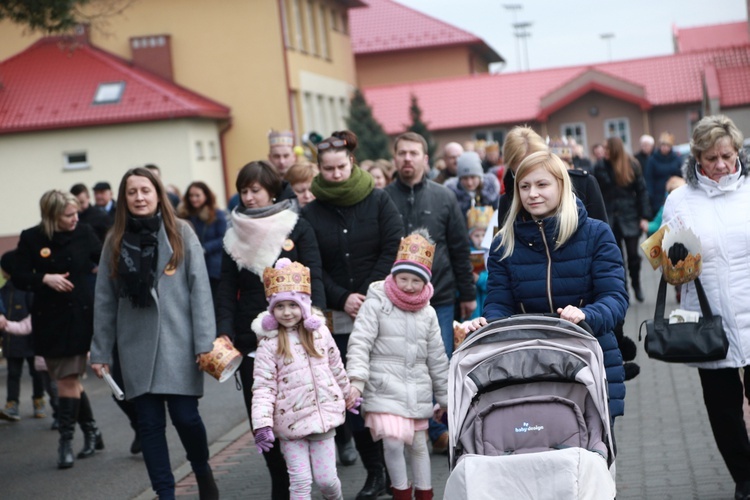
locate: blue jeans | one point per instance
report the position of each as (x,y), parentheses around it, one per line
(152,422)
(445,320)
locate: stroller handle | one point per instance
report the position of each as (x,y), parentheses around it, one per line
(581,323)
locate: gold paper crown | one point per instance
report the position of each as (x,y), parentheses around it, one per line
(281,138)
(416,248)
(293,278)
(479,217)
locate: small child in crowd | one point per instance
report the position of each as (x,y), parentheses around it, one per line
(301,390)
(397,359)
(18,345)
(477,220)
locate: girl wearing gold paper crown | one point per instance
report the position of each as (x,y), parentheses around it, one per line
(397,360)
(301,390)
(477,220)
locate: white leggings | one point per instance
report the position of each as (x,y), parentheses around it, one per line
(419,460)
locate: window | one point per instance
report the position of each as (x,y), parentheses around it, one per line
(323,32)
(109,93)
(285,25)
(297,15)
(334,19)
(199,150)
(575,130)
(312,42)
(75,161)
(345,22)
(619,127)
(212,150)
(497,136)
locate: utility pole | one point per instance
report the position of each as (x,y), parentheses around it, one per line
(607,37)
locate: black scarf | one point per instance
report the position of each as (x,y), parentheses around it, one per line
(138,256)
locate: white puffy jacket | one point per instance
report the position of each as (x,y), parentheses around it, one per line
(398,358)
(720,216)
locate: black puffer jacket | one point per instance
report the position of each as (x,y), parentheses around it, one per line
(434,207)
(241,296)
(626,205)
(358,244)
(62,322)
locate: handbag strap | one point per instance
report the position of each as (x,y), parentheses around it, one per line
(661,298)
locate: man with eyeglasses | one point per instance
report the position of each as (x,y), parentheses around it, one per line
(426,204)
(451,152)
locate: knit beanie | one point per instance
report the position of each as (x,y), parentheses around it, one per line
(289,280)
(469,164)
(415,254)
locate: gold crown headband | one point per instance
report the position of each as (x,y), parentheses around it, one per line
(416,248)
(293,278)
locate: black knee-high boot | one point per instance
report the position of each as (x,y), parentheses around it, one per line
(67,416)
(92,437)
(371,453)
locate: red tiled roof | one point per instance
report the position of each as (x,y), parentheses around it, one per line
(479,100)
(715,36)
(52,85)
(386,26)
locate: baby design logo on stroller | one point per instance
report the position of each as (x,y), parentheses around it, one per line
(529,414)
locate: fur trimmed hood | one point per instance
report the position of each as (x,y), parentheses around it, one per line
(691,176)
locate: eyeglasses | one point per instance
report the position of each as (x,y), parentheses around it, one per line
(331,143)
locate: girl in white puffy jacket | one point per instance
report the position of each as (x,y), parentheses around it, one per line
(397,361)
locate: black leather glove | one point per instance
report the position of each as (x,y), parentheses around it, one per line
(677,253)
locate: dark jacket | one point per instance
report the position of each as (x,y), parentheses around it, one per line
(642,158)
(434,207)
(626,205)
(18,306)
(586,272)
(211,237)
(241,296)
(585,187)
(659,168)
(62,322)
(358,244)
(97,219)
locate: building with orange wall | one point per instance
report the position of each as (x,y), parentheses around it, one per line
(281,64)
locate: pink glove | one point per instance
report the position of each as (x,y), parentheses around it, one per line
(264,439)
(357,404)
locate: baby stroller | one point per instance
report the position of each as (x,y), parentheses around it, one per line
(528,414)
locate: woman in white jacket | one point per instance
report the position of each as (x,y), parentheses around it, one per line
(715,204)
(397,360)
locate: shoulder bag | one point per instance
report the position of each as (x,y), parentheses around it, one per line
(705,340)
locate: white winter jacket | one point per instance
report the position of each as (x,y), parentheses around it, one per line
(719,214)
(397,358)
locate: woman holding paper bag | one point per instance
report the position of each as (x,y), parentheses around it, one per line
(715,205)
(153,299)
(262,231)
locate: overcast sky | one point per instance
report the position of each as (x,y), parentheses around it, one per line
(565,33)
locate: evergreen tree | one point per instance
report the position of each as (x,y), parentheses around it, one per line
(373,141)
(420,127)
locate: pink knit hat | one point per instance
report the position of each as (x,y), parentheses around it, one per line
(289,280)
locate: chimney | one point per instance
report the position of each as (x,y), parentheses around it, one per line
(153,53)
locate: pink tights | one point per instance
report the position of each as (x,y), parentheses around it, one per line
(311,460)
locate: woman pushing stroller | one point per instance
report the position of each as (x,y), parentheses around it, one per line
(549,257)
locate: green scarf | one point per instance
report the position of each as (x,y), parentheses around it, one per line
(345,193)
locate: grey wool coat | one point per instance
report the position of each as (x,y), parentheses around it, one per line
(158,345)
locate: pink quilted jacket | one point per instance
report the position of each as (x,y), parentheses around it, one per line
(299,397)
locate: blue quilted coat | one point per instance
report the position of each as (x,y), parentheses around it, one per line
(586,272)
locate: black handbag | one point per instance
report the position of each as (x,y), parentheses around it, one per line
(705,340)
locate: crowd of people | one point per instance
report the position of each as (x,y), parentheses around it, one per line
(340,285)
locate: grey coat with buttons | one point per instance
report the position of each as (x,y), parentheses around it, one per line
(158,345)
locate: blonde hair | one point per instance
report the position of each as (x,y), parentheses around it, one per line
(709,130)
(519,143)
(566,215)
(52,206)
(306,338)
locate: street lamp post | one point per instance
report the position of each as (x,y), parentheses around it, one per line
(514,7)
(608,38)
(523,33)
